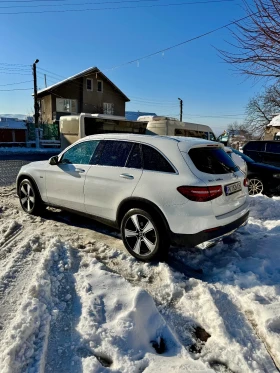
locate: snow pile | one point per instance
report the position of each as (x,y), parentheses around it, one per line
(238,300)
(122,328)
(24,345)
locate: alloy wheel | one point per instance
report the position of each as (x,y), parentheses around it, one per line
(140,235)
(255,187)
(27,197)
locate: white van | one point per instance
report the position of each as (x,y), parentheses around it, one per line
(166,126)
(75,127)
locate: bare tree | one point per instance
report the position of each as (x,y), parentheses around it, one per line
(261,109)
(257,40)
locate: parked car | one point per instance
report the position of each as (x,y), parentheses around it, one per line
(239,161)
(263,178)
(263,151)
(157,190)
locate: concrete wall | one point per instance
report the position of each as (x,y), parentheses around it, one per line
(47,109)
(270,132)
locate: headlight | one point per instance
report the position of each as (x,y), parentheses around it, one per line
(277,176)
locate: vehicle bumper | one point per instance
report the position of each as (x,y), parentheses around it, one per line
(191,240)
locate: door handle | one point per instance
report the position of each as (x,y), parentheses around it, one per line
(80,170)
(127,176)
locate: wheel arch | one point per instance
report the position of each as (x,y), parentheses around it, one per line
(31,179)
(142,203)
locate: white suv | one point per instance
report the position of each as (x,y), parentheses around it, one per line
(157,190)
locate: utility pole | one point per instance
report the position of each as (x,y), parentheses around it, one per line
(181,109)
(36,106)
(45,75)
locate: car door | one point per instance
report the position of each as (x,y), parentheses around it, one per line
(116,171)
(65,181)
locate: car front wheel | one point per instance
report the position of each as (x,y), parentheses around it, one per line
(255,186)
(144,236)
(29,199)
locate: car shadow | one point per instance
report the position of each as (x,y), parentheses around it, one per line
(79,221)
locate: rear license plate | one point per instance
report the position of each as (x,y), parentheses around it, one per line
(233,188)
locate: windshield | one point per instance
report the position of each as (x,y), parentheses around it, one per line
(243,156)
(212,161)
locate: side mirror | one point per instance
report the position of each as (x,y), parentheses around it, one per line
(53,160)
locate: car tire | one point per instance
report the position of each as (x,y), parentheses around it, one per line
(29,198)
(255,186)
(144,235)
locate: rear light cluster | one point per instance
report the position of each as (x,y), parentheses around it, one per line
(246,182)
(201,194)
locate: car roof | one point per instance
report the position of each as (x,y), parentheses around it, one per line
(147,138)
(183,143)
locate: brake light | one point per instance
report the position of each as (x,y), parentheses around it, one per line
(246,182)
(201,194)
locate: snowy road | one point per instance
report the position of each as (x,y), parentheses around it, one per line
(72,300)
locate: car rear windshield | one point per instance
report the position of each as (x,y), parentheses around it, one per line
(212,160)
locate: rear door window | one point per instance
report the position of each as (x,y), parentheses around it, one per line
(212,161)
(154,161)
(114,153)
(135,158)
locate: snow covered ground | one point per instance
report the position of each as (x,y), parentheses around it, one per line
(20,150)
(72,300)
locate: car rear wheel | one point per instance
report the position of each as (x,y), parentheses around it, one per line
(255,186)
(29,197)
(144,236)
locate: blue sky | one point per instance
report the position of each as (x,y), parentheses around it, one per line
(67,43)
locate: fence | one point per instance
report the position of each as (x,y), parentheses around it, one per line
(48,131)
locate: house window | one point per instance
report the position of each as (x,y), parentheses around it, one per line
(108,108)
(99,86)
(64,105)
(89,84)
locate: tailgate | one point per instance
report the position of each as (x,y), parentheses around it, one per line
(214,167)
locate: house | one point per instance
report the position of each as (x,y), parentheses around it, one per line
(272,129)
(87,92)
(12,132)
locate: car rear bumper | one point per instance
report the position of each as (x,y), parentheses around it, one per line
(191,240)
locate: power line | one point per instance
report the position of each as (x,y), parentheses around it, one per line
(73,4)
(26,81)
(116,8)
(13,64)
(16,89)
(56,1)
(13,73)
(182,43)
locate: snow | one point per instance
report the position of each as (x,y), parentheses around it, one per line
(275,122)
(72,300)
(13,125)
(20,150)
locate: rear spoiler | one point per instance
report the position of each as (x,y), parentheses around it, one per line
(184,147)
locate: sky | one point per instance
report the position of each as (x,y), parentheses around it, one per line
(94,34)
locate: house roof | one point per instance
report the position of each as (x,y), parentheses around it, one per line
(13,125)
(275,122)
(89,71)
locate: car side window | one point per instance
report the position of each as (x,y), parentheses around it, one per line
(154,161)
(273,147)
(80,153)
(115,153)
(135,158)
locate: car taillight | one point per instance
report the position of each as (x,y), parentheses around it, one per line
(201,194)
(246,182)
